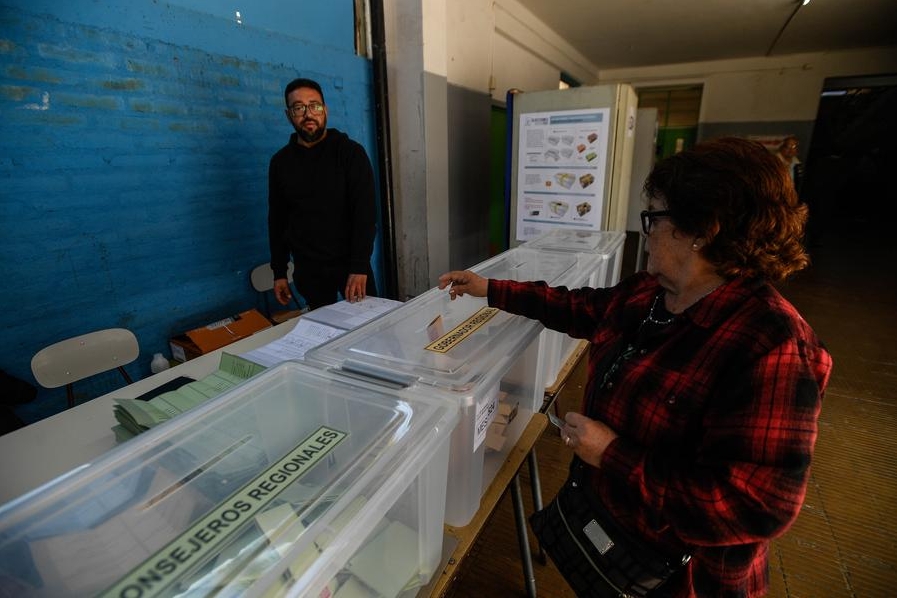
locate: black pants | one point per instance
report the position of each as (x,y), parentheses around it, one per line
(321,287)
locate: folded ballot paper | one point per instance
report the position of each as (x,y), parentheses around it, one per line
(385,566)
(135,416)
(496,434)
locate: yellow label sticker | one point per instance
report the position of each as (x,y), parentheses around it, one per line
(460,332)
(208,534)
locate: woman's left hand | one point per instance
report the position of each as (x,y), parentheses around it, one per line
(588,438)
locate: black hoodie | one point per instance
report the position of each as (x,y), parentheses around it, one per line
(321,206)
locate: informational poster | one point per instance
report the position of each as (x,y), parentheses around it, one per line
(561,170)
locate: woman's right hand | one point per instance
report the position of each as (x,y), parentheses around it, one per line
(460,282)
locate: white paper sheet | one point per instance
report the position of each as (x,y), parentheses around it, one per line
(347,316)
(304,336)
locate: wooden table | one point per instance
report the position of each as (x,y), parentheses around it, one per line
(552,391)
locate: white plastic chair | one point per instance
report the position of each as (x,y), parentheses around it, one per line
(262,278)
(80,357)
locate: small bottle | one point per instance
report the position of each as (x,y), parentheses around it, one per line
(159,363)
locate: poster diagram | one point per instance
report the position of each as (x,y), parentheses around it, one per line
(561,170)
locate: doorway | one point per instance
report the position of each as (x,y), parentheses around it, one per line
(851,152)
(678,110)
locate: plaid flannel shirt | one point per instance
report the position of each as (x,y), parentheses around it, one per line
(716,416)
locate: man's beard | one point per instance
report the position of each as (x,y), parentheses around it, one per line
(312,136)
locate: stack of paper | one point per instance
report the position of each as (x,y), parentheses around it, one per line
(319,326)
(136,416)
(349,316)
(304,336)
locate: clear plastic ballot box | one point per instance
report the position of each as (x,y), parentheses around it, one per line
(483,359)
(298,482)
(607,246)
(599,264)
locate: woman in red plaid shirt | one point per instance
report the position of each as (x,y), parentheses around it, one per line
(705,385)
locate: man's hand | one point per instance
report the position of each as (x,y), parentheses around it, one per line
(464,281)
(282,291)
(356,287)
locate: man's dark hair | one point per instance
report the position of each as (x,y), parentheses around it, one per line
(297,83)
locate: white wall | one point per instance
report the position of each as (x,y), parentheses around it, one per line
(416,65)
(761,89)
(469,41)
(529,56)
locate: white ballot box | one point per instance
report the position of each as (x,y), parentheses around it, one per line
(483,359)
(599,260)
(298,482)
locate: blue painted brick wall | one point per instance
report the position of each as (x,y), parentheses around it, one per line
(133,166)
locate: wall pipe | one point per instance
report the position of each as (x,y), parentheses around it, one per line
(381,109)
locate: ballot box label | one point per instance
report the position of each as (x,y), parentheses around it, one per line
(209,534)
(463,330)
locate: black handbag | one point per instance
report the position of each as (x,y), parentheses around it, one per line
(597,557)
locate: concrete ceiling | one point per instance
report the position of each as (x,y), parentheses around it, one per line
(630,33)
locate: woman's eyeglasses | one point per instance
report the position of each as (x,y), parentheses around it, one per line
(649,218)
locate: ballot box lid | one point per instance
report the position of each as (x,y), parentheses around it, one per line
(456,345)
(604,243)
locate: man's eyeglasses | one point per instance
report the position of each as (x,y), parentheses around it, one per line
(299,109)
(649,218)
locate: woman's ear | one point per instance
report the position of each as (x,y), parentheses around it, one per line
(709,235)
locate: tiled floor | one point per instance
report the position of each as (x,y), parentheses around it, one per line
(844,543)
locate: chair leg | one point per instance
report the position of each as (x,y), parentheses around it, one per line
(267,305)
(70,392)
(125,374)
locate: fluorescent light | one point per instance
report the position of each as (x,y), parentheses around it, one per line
(805,2)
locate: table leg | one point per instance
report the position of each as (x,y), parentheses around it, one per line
(523,539)
(536,487)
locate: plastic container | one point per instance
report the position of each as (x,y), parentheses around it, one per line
(294,483)
(159,363)
(599,261)
(489,361)
(607,245)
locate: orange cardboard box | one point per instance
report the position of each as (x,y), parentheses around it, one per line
(205,339)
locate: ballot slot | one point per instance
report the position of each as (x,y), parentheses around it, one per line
(281,485)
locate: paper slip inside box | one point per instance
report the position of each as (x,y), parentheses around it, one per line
(495,437)
(389,561)
(507,408)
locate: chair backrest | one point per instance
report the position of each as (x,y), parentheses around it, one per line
(262,277)
(83,356)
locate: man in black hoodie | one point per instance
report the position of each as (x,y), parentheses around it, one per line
(321,206)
